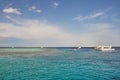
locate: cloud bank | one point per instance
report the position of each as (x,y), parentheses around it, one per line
(38,33)
(34,31)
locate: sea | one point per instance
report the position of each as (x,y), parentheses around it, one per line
(59,63)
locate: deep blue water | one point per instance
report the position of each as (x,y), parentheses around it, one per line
(59,64)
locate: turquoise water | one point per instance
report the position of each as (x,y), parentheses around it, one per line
(58,64)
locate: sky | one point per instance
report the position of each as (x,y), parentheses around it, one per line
(59,23)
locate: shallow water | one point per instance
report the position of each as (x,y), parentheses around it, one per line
(58,64)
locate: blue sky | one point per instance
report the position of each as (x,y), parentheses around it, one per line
(59,22)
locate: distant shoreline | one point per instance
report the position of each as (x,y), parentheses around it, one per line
(55,47)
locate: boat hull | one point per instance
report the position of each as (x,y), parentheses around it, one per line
(104,48)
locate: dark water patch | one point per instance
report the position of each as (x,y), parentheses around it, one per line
(115,78)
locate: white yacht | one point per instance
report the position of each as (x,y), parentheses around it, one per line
(104,48)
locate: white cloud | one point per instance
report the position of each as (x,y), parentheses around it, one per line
(11,10)
(12,19)
(98,26)
(34,30)
(34,9)
(103,34)
(36,33)
(96,15)
(89,17)
(55,4)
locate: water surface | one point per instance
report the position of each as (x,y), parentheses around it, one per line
(59,64)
